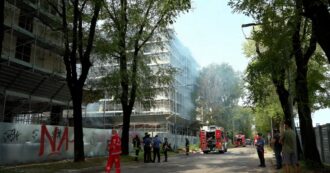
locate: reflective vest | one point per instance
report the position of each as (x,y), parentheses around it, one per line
(115,145)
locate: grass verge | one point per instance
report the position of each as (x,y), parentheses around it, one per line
(53,167)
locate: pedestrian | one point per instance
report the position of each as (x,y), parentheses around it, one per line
(166,148)
(187,146)
(114,147)
(137,146)
(147,148)
(277,146)
(260,149)
(156,148)
(255,139)
(289,149)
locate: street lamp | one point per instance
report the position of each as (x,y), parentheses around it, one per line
(248,25)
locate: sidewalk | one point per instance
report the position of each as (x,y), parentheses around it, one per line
(91,165)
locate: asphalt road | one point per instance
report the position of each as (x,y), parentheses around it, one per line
(235,160)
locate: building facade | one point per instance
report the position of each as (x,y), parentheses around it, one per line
(172,109)
(33,88)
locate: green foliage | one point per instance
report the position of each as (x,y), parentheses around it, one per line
(269,110)
(319,81)
(132,35)
(220,85)
(219,88)
(242,121)
(270,50)
(92,95)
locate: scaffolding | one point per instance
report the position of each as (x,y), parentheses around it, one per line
(30,39)
(32,71)
(172,107)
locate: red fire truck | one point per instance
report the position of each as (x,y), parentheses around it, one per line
(213,138)
(239,140)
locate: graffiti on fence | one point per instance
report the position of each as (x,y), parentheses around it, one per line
(52,140)
(35,135)
(10,136)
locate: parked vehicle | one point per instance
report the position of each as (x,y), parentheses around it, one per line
(248,142)
(213,138)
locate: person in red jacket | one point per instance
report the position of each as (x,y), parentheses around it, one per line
(114,148)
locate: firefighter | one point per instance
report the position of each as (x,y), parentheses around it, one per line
(114,148)
(187,146)
(137,146)
(166,148)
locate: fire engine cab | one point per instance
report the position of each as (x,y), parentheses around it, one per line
(213,138)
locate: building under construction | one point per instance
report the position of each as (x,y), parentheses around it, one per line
(32,73)
(172,110)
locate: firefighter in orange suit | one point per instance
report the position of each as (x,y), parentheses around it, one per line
(114,152)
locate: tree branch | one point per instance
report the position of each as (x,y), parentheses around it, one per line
(54,7)
(82,6)
(113,17)
(66,56)
(87,64)
(80,36)
(257,49)
(140,32)
(2,27)
(312,45)
(296,43)
(152,31)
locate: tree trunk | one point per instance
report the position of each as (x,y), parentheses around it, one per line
(56,115)
(306,126)
(318,12)
(2,29)
(76,94)
(125,133)
(77,49)
(302,58)
(283,96)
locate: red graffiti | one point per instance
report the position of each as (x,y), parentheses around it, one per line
(52,140)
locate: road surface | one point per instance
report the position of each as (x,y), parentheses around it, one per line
(235,160)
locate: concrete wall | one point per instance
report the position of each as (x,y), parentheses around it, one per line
(26,143)
(21,143)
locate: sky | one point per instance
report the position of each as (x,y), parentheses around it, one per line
(213,34)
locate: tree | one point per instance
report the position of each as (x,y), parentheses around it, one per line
(243,120)
(262,71)
(303,53)
(219,90)
(302,47)
(318,12)
(78,44)
(2,28)
(129,27)
(268,114)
